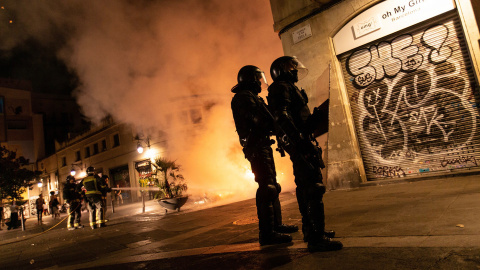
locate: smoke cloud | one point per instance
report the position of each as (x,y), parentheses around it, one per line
(149,63)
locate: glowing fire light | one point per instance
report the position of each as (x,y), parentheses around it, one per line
(249,174)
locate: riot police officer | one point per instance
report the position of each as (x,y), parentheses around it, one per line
(254,126)
(294,129)
(93,191)
(74,200)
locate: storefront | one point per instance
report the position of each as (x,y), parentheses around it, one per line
(412,91)
(120,178)
(146,176)
(402,79)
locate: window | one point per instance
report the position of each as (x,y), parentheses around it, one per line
(95,149)
(64,161)
(104,145)
(17,124)
(196,116)
(78,157)
(87,152)
(116,140)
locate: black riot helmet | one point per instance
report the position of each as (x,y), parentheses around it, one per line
(288,68)
(90,170)
(251,77)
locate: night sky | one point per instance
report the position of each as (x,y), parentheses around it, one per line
(33,60)
(145,62)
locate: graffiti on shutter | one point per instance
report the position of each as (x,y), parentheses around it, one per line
(415,102)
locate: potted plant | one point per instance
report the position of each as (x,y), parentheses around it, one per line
(172,186)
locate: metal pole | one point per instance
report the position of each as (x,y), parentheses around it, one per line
(112,196)
(143,201)
(21,216)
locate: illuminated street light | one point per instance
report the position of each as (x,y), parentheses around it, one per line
(73,171)
(139,143)
(139,148)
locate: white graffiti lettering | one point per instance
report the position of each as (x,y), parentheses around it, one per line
(385,59)
(413,103)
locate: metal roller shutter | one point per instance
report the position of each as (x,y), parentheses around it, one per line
(414,101)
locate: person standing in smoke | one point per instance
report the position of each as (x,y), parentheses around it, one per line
(93,192)
(105,190)
(295,127)
(74,200)
(254,126)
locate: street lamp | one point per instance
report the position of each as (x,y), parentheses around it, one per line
(139,148)
(73,171)
(139,143)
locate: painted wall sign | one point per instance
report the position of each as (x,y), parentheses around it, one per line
(386,18)
(302,33)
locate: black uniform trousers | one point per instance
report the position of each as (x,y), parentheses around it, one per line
(269,210)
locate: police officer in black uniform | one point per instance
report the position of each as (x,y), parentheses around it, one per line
(295,129)
(93,191)
(74,200)
(254,126)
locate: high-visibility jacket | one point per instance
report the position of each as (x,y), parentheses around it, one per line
(92,186)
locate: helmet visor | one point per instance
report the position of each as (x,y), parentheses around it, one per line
(262,79)
(296,64)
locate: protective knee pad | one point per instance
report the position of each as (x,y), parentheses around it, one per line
(267,193)
(279,188)
(316,190)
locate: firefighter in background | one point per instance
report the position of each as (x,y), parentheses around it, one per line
(254,126)
(106,189)
(92,184)
(74,200)
(295,127)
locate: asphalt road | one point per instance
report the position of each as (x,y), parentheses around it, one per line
(431,224)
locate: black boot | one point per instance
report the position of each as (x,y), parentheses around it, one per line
(279,226)
(284,228)
(327,233)
(274,238)
(323,244)
(265,213)
(330,233)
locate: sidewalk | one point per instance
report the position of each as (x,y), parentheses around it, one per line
(431,224)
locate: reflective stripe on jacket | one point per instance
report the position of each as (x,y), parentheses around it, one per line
(91,185)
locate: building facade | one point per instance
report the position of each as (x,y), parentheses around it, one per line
(402,79)
(21,130)
(111,149)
